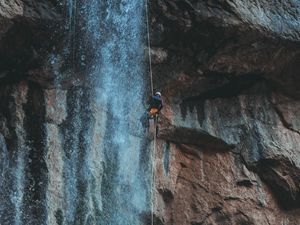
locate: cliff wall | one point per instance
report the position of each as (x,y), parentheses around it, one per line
(228,136)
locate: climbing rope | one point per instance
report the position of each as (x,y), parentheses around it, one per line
(153,187)
(149,47)
(153,153)
(153,175)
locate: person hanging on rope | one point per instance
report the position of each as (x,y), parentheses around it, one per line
(155,104)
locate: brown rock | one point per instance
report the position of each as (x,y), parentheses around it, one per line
(213,189)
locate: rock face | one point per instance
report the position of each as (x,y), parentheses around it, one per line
(227,69)
(227,147)
(27,31)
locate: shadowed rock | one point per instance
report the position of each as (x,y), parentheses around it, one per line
(26,36)
(184,135)
(219,40)
(283,177)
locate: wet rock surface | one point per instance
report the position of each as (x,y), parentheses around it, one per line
(60,148)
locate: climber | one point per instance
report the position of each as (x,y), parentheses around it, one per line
(155,105)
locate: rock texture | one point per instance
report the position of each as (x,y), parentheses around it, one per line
(26,36)
(227,69)
(228,138)
(213,188)
(233,38)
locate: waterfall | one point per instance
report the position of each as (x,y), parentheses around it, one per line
(76,153)
(121,91)
(109,45)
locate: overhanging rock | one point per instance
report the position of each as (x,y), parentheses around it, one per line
(189,136)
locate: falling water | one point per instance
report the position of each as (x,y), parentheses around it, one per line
(91,166)
(12,167)
(110,48)
(121,90)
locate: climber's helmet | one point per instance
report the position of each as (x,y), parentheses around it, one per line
(158,93)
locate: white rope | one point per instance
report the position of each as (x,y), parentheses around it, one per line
(153,173)
(149,47)
(153,154)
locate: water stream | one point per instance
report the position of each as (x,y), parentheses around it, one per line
(82,157)
(110,46)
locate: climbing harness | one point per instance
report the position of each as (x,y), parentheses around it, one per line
(153,153)
(153,111)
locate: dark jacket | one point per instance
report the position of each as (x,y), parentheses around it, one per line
(156,102)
